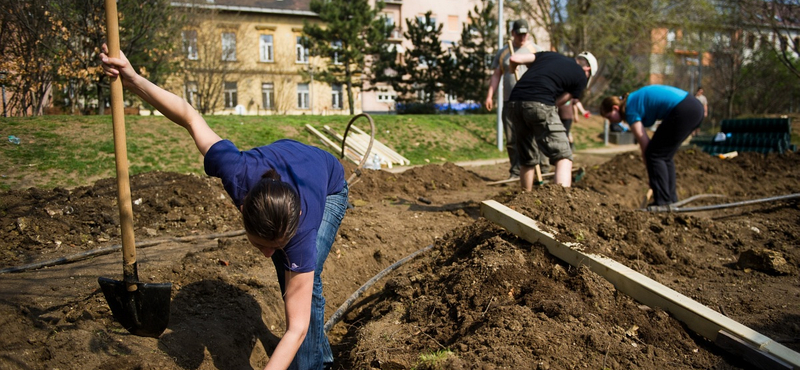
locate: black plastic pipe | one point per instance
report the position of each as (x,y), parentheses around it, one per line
(339,314)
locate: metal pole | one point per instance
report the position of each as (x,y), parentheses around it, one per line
(500,29)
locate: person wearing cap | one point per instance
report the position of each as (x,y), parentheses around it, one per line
(521,45)
(680,113)
(550,81)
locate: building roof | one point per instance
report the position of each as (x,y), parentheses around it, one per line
(296,7)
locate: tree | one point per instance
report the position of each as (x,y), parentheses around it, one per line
(618,33)
(470,78)
(352,30)
(766,86)
(780,18)
(426,64)
(31,38)
(146,28)
(206,62)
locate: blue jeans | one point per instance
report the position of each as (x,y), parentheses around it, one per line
(315,352)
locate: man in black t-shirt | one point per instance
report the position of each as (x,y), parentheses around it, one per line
(551,80)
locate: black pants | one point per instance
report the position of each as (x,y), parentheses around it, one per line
(660,153)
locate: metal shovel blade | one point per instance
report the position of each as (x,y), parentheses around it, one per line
(143,312)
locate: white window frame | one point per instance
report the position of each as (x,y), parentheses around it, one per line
(265,48)
(303,96)
(191,93)
(337,96)
(189,38)
(230,93)
(301,52)
(386,95)
(336,45)
(228,40)
(431,25)
(268,95)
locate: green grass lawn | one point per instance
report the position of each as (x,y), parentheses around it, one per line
(68,151)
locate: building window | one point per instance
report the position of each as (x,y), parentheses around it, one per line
(230,94)
(302,96)
(336,46)
(265,48)
(190,44)
(191,93)
(228,46)
(670,38)
(268,96)
(336,96)
(430,25)
(301,51)
(386,96)
(396,32)
(452,23)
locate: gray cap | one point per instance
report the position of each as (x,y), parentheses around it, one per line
(520,26)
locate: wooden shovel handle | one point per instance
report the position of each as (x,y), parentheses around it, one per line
(121,154)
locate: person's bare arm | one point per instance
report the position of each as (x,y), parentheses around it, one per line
(493,84)
(520,59)
(641,137)
(297,303)
(169,104)
(563,99)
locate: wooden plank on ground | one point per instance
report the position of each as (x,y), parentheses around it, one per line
(325,140)
(386,156)
(696,316)
(358,148)
(400,159)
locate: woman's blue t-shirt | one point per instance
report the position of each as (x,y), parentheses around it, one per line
(312,172)
(652,103)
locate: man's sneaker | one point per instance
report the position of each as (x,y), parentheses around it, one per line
(513,177)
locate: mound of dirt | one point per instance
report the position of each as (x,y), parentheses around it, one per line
(481,298)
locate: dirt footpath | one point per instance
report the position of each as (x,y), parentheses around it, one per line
(480,298)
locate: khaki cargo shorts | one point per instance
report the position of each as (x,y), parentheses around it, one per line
(538,124)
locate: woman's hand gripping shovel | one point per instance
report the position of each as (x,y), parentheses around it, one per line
(141,308)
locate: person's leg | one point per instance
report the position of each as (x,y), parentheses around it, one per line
(564,172)
(660,154)
(315,352)
(526,145)
(527,176)
(552,141)
(511,142)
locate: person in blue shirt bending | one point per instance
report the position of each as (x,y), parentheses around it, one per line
(292,197)
(680,113)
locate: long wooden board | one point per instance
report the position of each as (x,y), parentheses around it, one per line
(395,155)
(350,155)
(696,316)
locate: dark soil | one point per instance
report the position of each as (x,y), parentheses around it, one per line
(481,298)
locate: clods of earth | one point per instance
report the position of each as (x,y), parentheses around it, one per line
(479,298)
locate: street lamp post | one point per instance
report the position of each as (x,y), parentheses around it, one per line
(3,75)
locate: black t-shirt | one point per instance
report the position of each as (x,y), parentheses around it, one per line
(550,75)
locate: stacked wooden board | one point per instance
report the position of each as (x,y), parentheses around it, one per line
(356,145)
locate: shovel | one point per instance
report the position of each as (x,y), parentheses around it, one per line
(141,308)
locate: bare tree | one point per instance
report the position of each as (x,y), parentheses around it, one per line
(209,55)
(780,18)
(30,40)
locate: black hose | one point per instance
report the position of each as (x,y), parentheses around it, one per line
(369,146)
(673,208)
(696,197)
(110,249)
(339,314)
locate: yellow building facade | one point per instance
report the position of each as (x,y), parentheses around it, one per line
(249,60)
